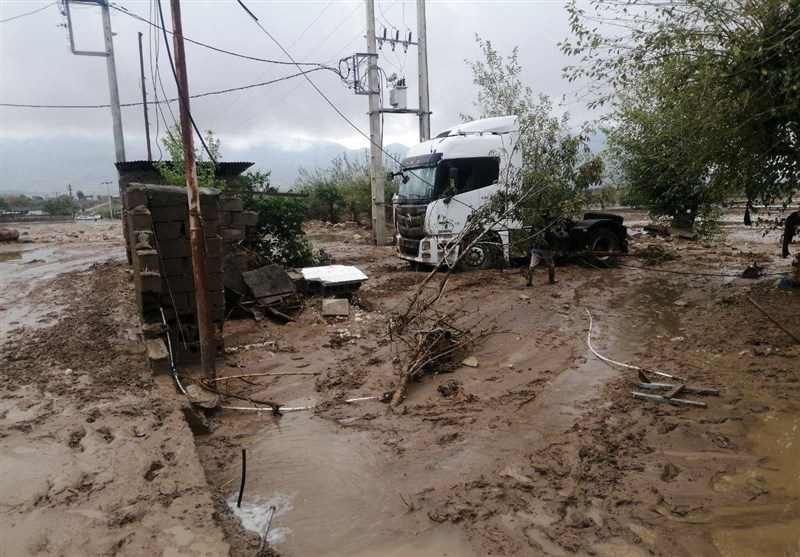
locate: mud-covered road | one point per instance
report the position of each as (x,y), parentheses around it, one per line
(539,450)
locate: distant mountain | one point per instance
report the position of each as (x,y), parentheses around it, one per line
(44,166)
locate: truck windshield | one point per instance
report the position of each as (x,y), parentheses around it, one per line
(420,183)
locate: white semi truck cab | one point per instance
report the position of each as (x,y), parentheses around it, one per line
(446,180)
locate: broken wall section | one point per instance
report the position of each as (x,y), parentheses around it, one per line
(158,218)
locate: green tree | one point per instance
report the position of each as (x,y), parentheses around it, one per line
(278,236)
(174,170)
(80,195)
(57,206)
(717,82)
(557,164)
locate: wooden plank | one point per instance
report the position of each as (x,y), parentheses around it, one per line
(687,390)
(675,390)
(673,401)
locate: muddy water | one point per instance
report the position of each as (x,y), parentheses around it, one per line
(334,493)
(764,529)
(26,272)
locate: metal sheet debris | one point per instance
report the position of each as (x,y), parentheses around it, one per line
(269,284)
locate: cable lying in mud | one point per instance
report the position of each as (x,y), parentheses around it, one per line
(294,408)
(610,361)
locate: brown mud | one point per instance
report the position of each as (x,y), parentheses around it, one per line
(539,450)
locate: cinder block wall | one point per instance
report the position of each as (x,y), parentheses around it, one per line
(158,219)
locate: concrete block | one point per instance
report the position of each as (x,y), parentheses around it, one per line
(176,266)
(157,355)
(148,281)
(335,307)
(214,264)
(210,228)
(140,220)
(225,218)
(232,233)
(170,231)
(214,247)
(178,285)
(134,197)
(215,281)
(232,204)
(147,259)
(209,211)
(169,213)
(245,218)
(174,248)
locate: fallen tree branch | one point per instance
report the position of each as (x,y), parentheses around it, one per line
(768,316)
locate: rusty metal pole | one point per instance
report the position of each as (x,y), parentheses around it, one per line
(144,100)
(196,238)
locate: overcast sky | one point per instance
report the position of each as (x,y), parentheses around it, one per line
(36,66)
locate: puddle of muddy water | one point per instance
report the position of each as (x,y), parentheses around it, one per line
(763,530)
(334,493)
(20,277)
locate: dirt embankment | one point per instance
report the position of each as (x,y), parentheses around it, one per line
(97,457)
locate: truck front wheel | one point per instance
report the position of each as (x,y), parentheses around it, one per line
(482,255)
(604,240)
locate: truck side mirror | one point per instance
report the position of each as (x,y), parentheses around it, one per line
(452,174)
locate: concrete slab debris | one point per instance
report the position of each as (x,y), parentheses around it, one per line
(335,307)
(472,361)
(332,279)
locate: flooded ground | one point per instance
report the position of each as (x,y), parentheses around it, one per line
(539,450)
(544,452)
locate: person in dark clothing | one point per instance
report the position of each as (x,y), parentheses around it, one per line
(545,254)
(789,231)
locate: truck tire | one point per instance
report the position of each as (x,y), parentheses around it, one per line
(482,255)
(603,239)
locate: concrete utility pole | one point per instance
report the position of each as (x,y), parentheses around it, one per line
(422,63)
(113,87)
(376,176)
(108,53)
(71,202)
(196,238)
(144,100)
(110,207)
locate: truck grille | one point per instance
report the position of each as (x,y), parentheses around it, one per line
(410,219)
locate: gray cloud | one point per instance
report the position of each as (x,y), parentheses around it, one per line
(38,68)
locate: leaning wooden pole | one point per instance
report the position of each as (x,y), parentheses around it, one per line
(196,238)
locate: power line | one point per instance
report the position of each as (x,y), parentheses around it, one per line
(314,85)
(165,101)
(208,46)
(309,53)
(28,13)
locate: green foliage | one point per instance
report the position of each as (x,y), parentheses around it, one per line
(4,206)
(604,196)
(80,195)
(557,165)
(716,81)
(278,237)
(341,189)
(174,170)
(57,205)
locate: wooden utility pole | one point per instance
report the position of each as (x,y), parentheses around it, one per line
(376,176)
(196,238)
(144,100)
